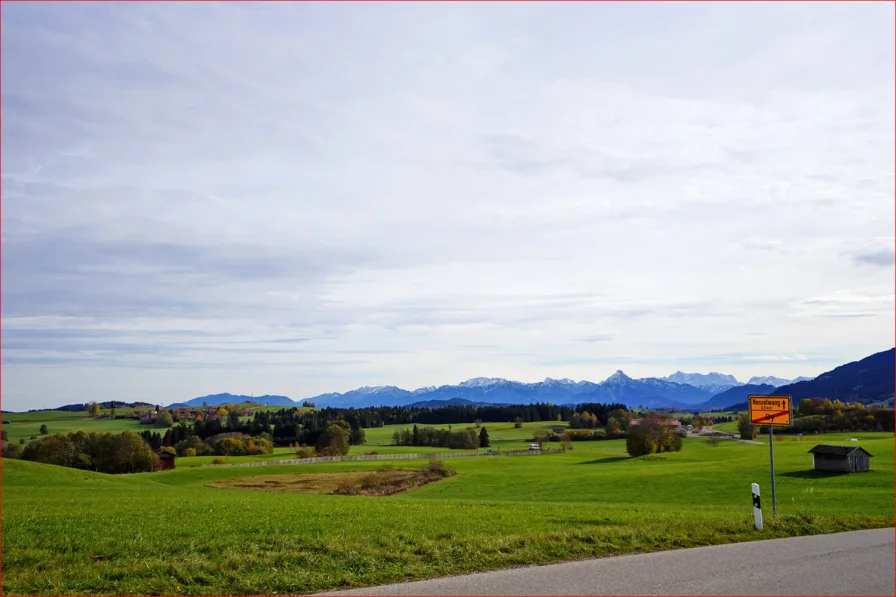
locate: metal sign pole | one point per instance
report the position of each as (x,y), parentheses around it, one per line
(771,456)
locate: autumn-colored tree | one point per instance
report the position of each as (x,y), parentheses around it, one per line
(93,410)
(164,419)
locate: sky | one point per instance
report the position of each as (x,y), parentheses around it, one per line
(295,199)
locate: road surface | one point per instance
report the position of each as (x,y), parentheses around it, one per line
(854,563)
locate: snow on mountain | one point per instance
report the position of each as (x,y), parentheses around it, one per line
(769,380)
(617,378)
(802,378)
(708,381)
(481,382)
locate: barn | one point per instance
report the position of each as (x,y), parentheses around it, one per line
(166,460)
(844,459)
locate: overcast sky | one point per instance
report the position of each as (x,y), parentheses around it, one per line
(303,198)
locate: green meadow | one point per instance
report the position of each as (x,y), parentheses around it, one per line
(25,425)
(67,531)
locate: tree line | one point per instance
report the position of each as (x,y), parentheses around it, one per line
(125,452)
(465,439)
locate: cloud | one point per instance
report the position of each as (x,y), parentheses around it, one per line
(249,191)
(878,258)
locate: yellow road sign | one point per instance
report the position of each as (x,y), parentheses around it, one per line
(774,411)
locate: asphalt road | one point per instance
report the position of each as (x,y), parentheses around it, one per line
(854,563)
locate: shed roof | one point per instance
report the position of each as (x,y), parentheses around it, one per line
(841,451)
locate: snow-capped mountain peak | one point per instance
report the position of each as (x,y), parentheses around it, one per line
(481,382)
(703,380)
(618,377)
(769,380)
(424,389)
(375,389)
(565,381)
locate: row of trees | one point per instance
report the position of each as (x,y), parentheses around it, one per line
(466,439)
(125,452)
(578,435)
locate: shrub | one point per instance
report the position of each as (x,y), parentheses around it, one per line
(219,461)
(12,451)
(43,429)
(190,452)
(306,452)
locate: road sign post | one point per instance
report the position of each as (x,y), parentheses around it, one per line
(771,411)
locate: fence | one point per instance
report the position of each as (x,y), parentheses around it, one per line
(388,457)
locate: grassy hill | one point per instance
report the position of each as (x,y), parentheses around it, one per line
(75,532)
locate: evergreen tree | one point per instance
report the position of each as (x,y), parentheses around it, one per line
(415,441)
(483,438)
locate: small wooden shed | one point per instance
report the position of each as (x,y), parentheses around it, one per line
(166,460)
(844,459)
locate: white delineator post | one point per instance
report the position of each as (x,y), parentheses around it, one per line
(757,508)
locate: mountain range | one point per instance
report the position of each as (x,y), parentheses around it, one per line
(869,380)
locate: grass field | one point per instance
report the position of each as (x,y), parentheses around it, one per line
(74,532)
(24,425)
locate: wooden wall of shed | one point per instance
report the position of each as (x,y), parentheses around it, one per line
(828,463)
(859,462)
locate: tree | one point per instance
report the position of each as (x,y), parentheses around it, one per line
(415,437)
(93,410)
(518,422)
(43,429)
(483,438)
(357,436)
(334,440)
(745,427)
(652,435)
(112,412)
(4,435)
(164,419)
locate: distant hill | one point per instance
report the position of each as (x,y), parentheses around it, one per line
(736,398)
(219,399)
(867,381)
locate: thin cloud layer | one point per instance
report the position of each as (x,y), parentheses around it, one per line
(302,198)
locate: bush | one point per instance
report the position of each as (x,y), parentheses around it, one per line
(43,429)
(12,451)
(190,452)
(219,461)
(306,452)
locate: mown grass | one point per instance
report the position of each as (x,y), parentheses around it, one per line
(74,532)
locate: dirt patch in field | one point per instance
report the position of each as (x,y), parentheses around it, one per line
(304,483)
(387,480)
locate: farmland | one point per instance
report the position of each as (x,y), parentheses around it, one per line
(68,531)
